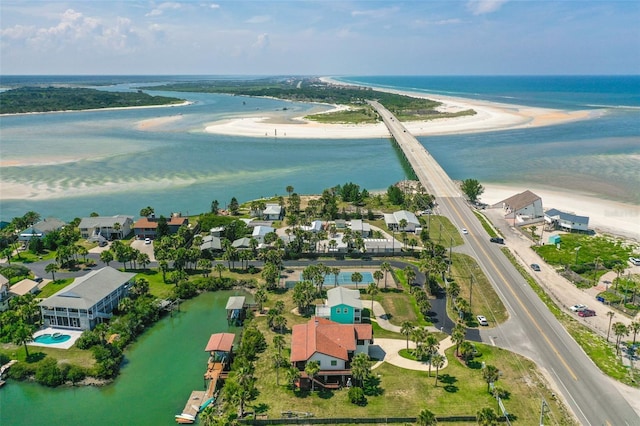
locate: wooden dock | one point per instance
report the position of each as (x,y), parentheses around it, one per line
(192,407)
(4,369)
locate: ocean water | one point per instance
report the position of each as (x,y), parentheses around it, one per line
(71,164)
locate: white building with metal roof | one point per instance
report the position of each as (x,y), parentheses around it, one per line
(87,301)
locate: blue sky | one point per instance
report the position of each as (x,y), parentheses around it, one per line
(482,37)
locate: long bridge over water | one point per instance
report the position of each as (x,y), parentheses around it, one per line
(531,329)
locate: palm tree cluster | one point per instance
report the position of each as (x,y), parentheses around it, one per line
(124,254)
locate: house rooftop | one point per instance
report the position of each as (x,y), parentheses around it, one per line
(521,200)
(23,287)
(321,335)
(569,217)
(89,289)
(222,342)
(344,296)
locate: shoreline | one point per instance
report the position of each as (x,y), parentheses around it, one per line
(181,104)
(490,116)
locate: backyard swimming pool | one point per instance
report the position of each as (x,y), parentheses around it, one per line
(50,339)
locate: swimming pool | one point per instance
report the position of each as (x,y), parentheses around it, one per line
(344,278)
(50,339)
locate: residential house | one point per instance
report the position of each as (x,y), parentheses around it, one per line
(101,228)
(23,287)
(357,226)
(392,220)
(315,227)
(40,229)
(211,243)
(333,345)
(566,221)
(273,212)
(147,227)
(382,245)
(343,306)
(260,231)
(523,206)
(242,243)
(89,300)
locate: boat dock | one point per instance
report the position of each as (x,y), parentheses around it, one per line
(4,369)
(192,407)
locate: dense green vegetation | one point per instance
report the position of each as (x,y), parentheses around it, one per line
(44,99)
(313,90)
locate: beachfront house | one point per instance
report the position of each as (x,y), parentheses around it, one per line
(102,228)
(333,345)
(566,221)
(393,220)
(147,227)
(522,207)
(273,212)
(41,229)
(315,226)
(260,231)
(343,306)
(88,301)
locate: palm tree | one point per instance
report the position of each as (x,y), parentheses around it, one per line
(385,267)
(52,268)
(438,361)
(596,264)
(490,374)
(372,290)
(610,314)
(431,344)
(458,336)
(486,417)
(406,328)
(634,328)
(219,268)
(289,190)
(619,330)
(360,367)
(23,334)
(293,374)
(410,274)
(378,275)
(260,297)
(356,277)
(619,269)
(312,368)
(164,267)
(426,418)
(107,256)
(278,344)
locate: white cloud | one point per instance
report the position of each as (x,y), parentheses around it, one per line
(262,42)
(480,7)
(258,19)
(162,7)
(375,13)
(424,23)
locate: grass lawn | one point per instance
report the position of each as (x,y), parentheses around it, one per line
(484,300)
(442,231)
(590,247)
(485,224)
(73,355)
(401,306)
(596,347)
(461,390)
(53,287)
(28,257)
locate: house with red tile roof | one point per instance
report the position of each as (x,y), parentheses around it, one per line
(147,227)
(331,344)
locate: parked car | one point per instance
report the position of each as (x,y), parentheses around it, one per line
(577,308)
(587,313)
(147,240)
(38,279)
(497,240)
(482,320)
(535,267)
(635,261)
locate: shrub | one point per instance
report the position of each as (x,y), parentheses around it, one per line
(48,373)
(75,374)
(87,340)
(21,371)
(356,396)
(4,359)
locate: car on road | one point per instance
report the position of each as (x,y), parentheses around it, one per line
(464,231)
(482,320)
(497,240)
(147,240)
(535,267)
(577,308)
(587,313)
(635,261)
(38,279)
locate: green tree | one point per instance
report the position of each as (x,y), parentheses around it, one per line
(48,373)
(147,211)
(278,344)
(472,189)
(234,206)
(406,328)
(312,368)
(356,277)
(619,330)
(106,256)
(486,417)
(360,367)
(215,207)
(438,361)
(293,374)
(23,334)
(372,290)
(52,268)
(427,418)
(458,336)
(378,275)
(490,374)
(219,268)
(410,274)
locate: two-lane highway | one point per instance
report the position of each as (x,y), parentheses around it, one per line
(531,330)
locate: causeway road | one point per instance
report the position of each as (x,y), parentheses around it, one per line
(531,329)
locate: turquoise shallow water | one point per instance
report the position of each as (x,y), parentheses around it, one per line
(161,369)
(102,162)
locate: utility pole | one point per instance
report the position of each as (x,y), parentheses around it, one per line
(450,257)
(470,292)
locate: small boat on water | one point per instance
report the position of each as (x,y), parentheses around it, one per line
(185,416)
(184,421)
